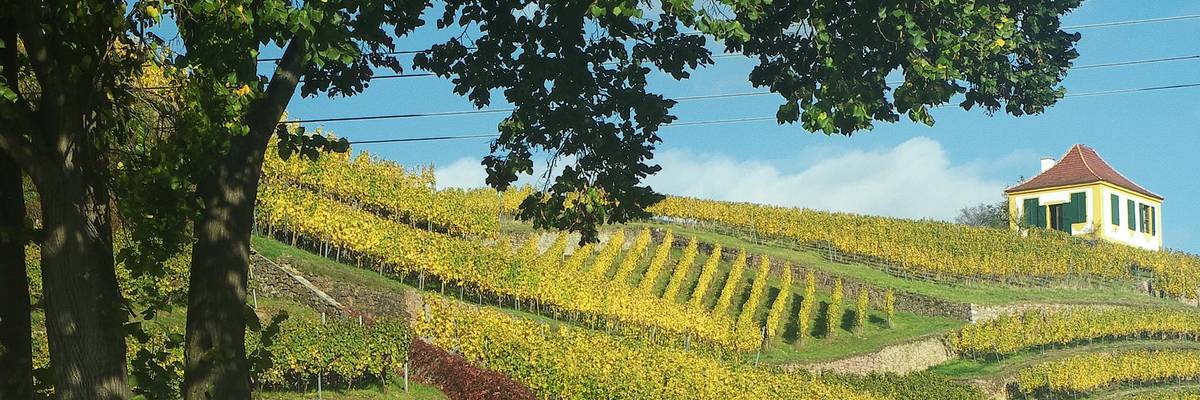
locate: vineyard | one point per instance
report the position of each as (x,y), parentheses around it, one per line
(405,195)
(650,313)
(610,288)
(571,363)
(948,251)
(683,309)
(503,276)
(1087,373)
(1009,334)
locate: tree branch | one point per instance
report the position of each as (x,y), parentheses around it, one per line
(267,110)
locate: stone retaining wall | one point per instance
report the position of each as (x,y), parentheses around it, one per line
(272,280)
(917,355)
(366,301)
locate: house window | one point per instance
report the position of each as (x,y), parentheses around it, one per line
(1144,216)
(1057,222)
(1153,221)
(1115,209)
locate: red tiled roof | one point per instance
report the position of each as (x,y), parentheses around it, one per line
(1080,165)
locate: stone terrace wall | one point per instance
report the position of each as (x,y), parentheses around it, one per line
(273,280)
(917,355)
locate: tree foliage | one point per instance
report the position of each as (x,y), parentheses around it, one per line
(988,215)
(576,76)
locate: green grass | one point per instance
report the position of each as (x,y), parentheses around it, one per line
(977,294)
(966,368)
(393,391)
(873,337)
(782,350)
(310,263)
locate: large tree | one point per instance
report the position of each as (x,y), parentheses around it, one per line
(65,80)
(838,65)
(333,47)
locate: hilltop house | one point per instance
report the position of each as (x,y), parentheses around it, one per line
(1081,194)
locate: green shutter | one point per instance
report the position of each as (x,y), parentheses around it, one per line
(1132,216)
(1041,216)
(1031,211)
(1076,210)
(1116,210)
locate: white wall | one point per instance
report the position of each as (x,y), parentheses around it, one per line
(1122,232)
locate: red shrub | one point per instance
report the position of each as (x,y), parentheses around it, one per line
(459,379)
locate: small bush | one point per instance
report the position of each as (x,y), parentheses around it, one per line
(459,379)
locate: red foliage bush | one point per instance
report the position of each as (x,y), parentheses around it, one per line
(459,379)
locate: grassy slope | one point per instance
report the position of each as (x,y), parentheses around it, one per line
(310,263)
(816,347)
(978,294)
(782,350)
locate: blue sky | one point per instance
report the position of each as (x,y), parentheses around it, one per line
(901,169)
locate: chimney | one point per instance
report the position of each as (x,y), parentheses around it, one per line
(1047,162)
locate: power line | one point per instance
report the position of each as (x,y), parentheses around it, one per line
(681,98)
(385,53)
(765,118)
(397,116)
(1133,22)
(425,139)
(1137,62)
(1135,90)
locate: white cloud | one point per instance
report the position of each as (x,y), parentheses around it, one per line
(468,173)
(913,180)
(465,172)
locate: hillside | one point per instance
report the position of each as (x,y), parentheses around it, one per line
(723,286)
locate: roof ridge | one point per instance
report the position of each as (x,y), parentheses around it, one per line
(1080,170)
(1080,146)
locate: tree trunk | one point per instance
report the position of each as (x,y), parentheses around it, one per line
(215,352)
(216,321)
(16,358)
(84,319)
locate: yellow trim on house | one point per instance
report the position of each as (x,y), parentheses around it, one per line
(1079,185)
(1098,216)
